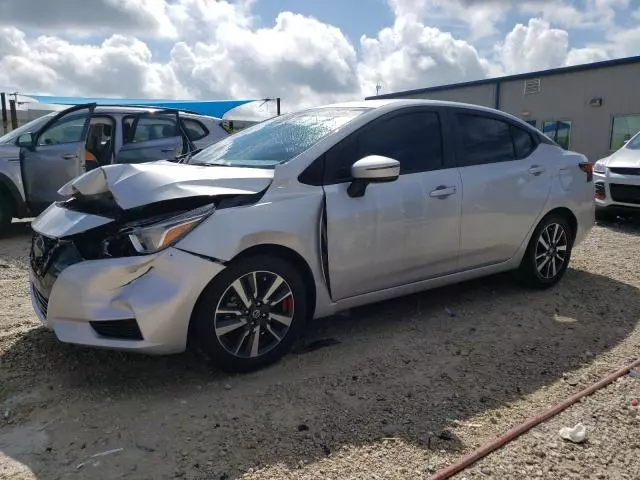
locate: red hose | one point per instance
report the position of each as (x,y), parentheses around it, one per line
(487,448)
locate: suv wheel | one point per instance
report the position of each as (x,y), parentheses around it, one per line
(250,315)
(548,253)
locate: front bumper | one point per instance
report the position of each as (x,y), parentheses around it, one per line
(155,292)
(615,192)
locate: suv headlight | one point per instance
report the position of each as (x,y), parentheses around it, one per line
(600,167)
(151,238)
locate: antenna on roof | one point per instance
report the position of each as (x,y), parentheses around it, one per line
(378,88)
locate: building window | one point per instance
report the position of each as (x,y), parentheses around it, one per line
(559,131)
(624,127)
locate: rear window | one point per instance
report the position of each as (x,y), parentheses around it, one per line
(194,129)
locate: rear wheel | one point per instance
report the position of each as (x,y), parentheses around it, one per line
(548,253)
(250,315)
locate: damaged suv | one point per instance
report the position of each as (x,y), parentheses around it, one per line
(300,217)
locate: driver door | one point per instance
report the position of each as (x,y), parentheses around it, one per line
(151,136)
(55,156)
(399,232)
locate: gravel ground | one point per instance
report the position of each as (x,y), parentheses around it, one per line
(391,391)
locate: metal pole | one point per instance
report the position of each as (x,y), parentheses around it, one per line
(5,120)
(278,106)
(14,114)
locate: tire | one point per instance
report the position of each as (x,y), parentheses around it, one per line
(6,213)
(542,272)
(225,321)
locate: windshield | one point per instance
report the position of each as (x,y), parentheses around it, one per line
(277,140)
(33,126)
(634,143)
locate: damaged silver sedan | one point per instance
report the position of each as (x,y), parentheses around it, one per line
(300,217)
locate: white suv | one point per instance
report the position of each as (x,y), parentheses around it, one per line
(617,180)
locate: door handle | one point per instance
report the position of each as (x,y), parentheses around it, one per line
(442,191)
(70,156)
(168,149)
(536,170)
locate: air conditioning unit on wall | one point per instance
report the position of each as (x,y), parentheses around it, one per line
(531,86)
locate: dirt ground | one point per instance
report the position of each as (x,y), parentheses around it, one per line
(390,391)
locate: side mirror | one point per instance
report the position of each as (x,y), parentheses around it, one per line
(372,169)
(25,140)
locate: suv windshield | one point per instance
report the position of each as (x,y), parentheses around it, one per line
(277,140)
(634,143)
(33,126)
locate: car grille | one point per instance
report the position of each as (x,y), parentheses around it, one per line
(625,193)
(41,301)
(118,329)
(625,170)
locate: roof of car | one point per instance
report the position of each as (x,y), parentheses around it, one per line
(407,102)
(135,109)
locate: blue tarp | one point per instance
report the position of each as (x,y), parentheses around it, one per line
(213,108)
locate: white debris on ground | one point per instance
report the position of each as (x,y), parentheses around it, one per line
(405,389)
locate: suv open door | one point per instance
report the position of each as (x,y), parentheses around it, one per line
(54,155)
(152,136)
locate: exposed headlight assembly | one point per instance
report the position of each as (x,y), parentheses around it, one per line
(153,237)
(600,167)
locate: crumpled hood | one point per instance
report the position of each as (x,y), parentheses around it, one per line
(625,157)
(135,185)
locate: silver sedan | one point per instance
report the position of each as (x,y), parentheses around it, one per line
(303,216)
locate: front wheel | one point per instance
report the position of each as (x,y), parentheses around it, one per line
(548,253)
(250,315)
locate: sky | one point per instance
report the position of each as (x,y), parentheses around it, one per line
(308,52)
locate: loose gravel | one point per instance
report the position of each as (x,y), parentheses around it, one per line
(390,391)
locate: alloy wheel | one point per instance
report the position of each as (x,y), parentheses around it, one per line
(254,314)
(551,251)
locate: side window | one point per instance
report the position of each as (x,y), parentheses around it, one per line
(484,140)
(149,128)
(412,138)
(194,129)
(522,142)
(66,130)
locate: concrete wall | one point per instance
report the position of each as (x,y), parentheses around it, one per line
(477,95)
(566,97)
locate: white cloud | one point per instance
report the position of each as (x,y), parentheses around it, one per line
(300,59)
(480,17)
(599,14)
(215,50)
(537,46)
(410,55)
(84,18)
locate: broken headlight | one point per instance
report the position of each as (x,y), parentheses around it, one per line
(151,237)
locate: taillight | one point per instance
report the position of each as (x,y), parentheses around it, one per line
(587,168)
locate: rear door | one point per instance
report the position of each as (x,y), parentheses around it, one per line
(505,183)
(56,155)
(398,232)
(151,136)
